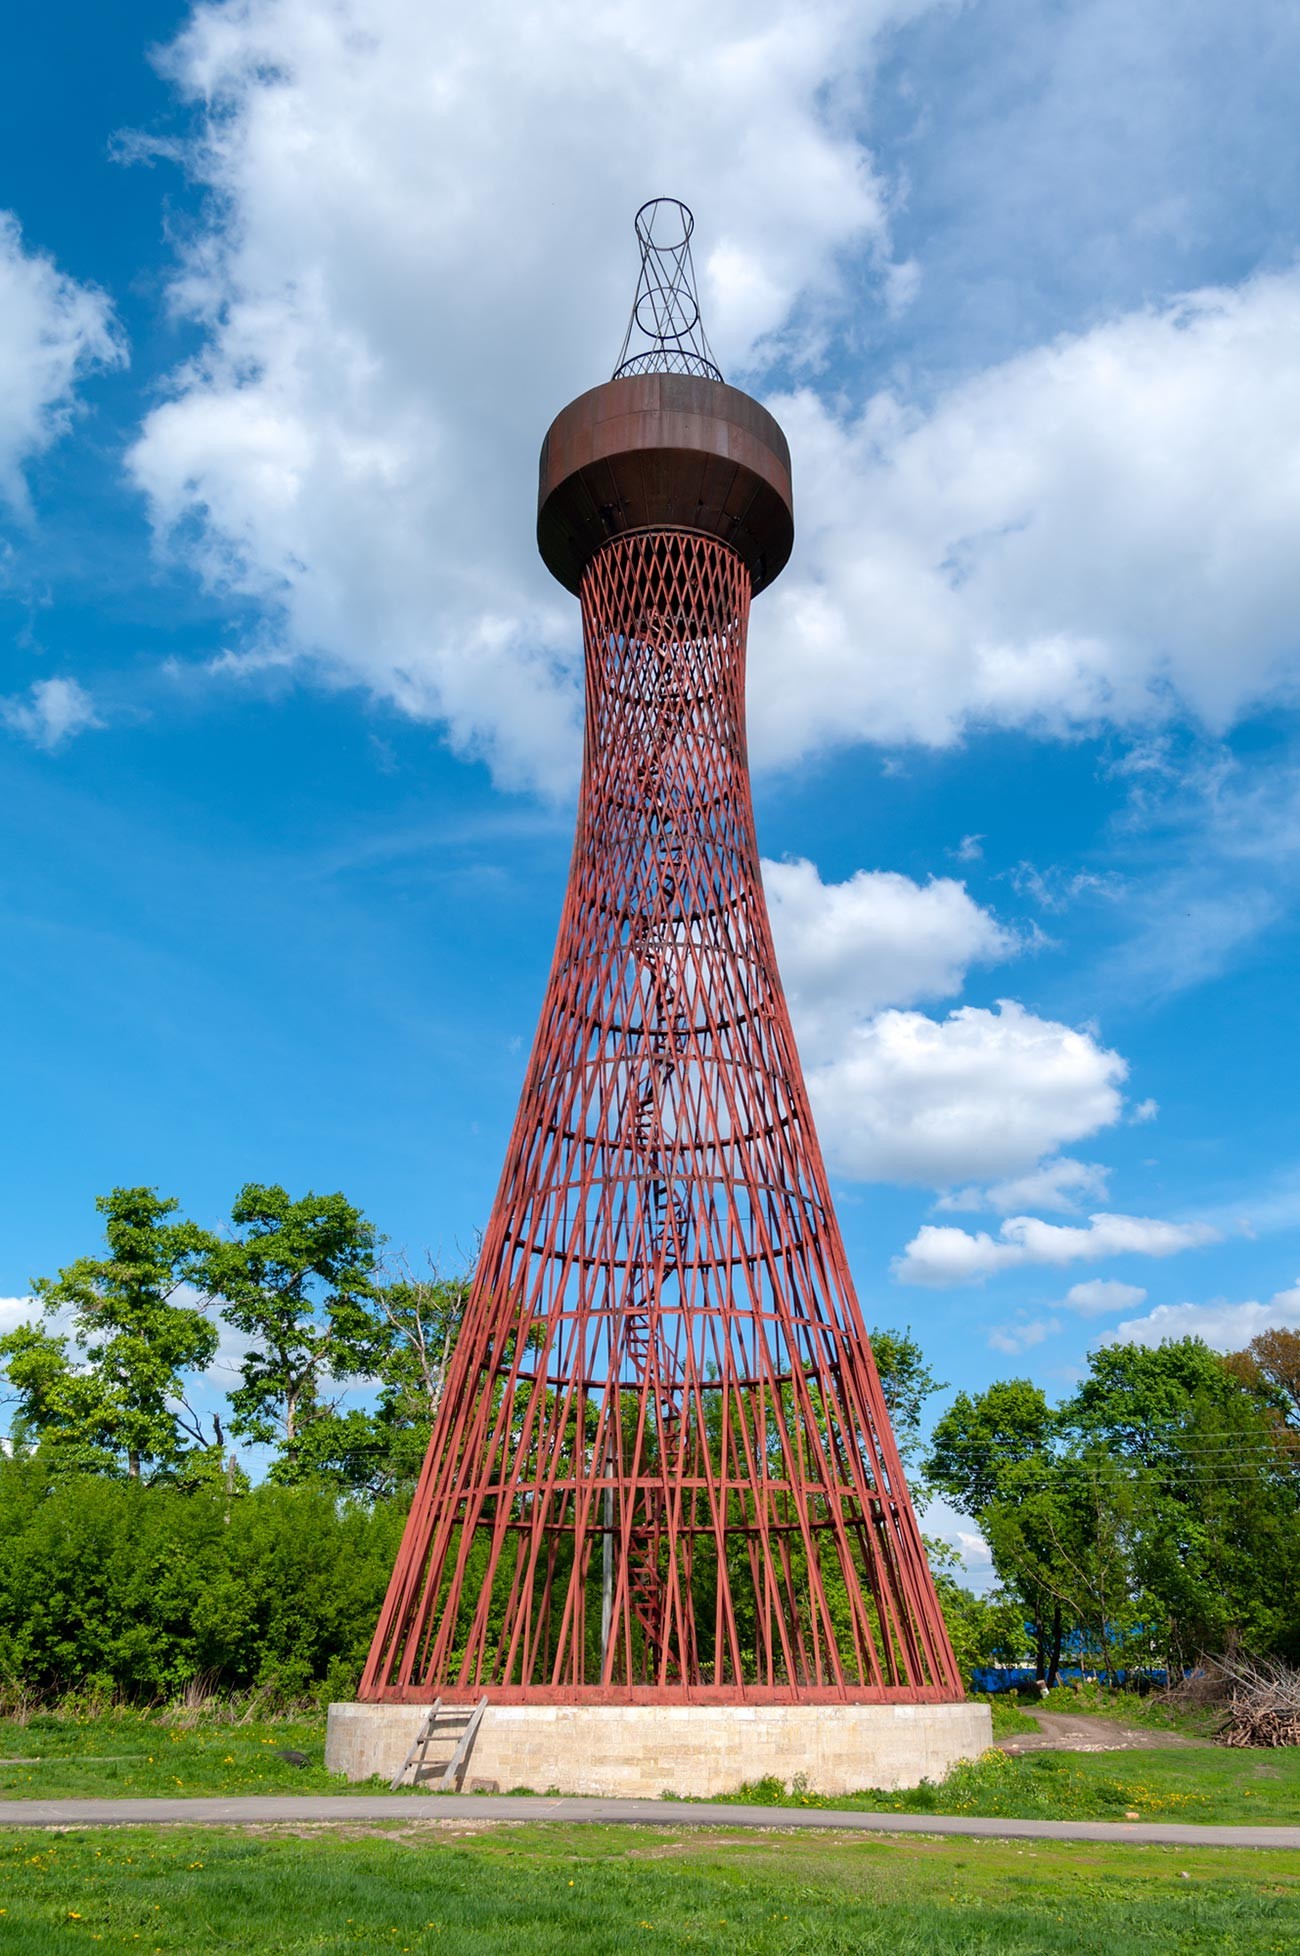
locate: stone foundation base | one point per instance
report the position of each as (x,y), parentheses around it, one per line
(700,1750)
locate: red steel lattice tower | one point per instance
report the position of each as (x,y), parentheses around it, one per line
(662,1468)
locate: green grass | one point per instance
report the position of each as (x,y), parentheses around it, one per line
(1009,1721)
(141,1753)
(123,1753)
(594,1891)
(1211,1784)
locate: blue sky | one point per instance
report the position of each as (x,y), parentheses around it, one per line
(288,295)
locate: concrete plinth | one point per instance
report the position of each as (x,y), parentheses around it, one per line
(698,1750)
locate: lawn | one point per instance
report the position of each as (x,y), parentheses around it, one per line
(591,1891)
(139,1753)
(57,1754)
(1009,1720)
(1196,1783)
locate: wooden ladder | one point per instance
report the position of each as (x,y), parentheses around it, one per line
(440,1722)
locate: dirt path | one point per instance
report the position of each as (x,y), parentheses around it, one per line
(1079,1732)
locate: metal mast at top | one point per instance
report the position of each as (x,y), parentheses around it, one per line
(662,1469)
(665,318)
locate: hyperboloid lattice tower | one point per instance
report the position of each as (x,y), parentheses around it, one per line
(662,1469)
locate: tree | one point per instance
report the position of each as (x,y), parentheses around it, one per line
(978,1439)
(1214,1533)
(379,1451)
(988,1453)
(1270,1368)
(1135,1397)
(907,1382)
(299,1284)
(424,1316)
(1277,1354)
(984,1630)
(1059,1539)
(71,1410)
(136,1336)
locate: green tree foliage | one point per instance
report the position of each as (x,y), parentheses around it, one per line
(992,1455)
(107,1582)
(983,1629)
(907,1382)
(1058,1540)
(298,1281)
(1213,1534)
(379,1451)
(118,1398)
(1155,1515)
(980,1439)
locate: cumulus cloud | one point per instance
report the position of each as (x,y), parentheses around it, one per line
(50,712)
(903,1097)
(413,263)
(943,1523)
(1101,1296)
(1223,1326)
(52,331)
(410,261)
(908,1098)
(1061,1183)
(15,1311)
(940,1255)
(1098,532)
(877,939)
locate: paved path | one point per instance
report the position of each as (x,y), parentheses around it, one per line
(268,1809)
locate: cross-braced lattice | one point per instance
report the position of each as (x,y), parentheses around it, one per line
(665,321)
(663,1467)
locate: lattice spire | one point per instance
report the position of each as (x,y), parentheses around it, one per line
(665,334)
(662,1469)
(663,1464)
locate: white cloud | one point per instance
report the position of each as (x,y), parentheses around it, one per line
(413,264)
(1223,1326)
(980,1093)
(52,711)
(1146,1110)
(51,331)
(1100,531)
(17,1310)
(942,1522)
(975,1551)
(902,1097)
(1061,1183)
(1101,1296)
(1023,1335)
(845,949)
(940,1255)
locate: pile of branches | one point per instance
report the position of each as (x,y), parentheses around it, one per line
(1257,1697)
